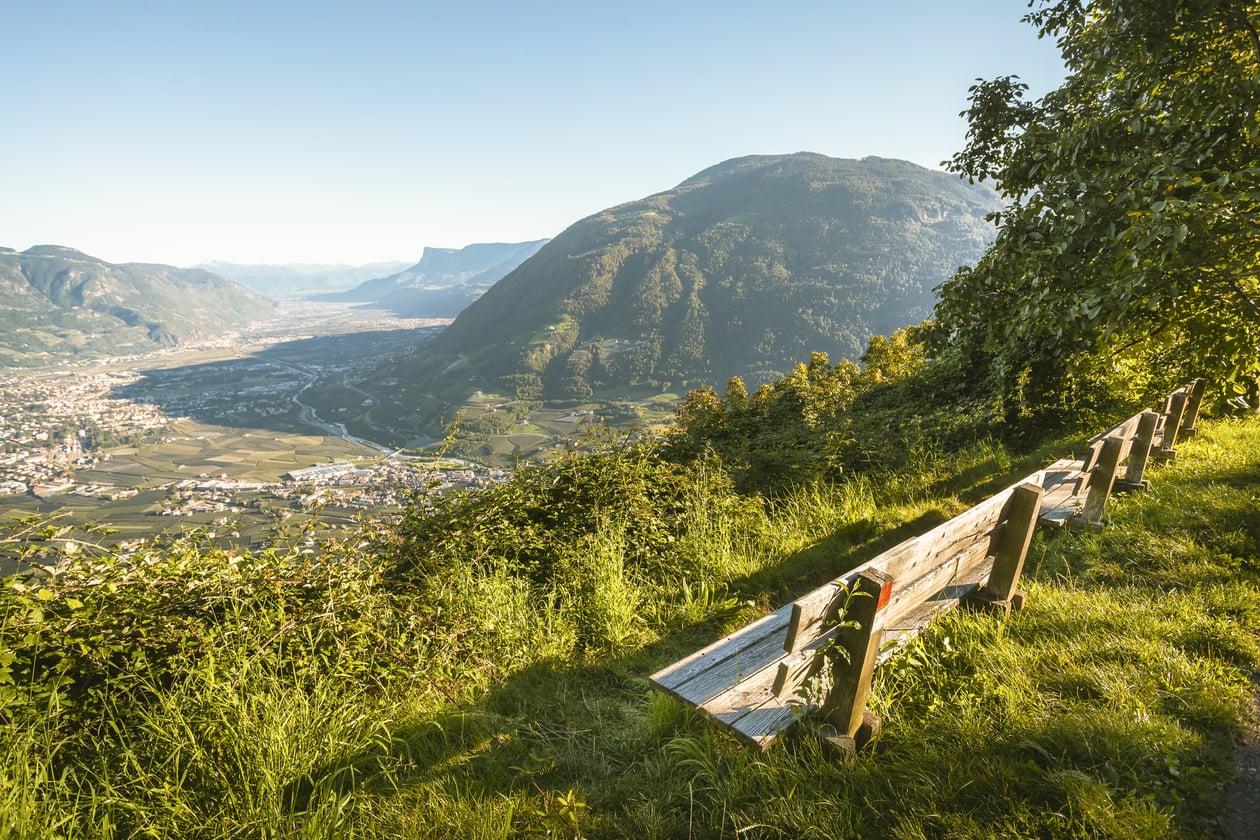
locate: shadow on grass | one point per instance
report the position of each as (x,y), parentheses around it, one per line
(596,726)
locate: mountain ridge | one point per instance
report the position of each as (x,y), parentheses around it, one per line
(743,269)
(57,302)
(300,279)
(444,281)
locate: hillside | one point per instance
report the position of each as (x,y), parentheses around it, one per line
(60,303)
(481,670)
(444,281)
(743,269)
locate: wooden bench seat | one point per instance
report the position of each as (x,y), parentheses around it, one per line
(750,682)
(759,682)
(1077,490)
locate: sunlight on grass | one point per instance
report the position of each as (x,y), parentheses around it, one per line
(451,687)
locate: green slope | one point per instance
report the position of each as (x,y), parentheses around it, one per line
(58,303)
(743,270)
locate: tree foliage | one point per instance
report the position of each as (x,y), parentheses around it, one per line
(789,431)
(1133,196)
(822,421)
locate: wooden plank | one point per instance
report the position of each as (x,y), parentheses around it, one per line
(795,668)
(753,711)
(1056,517)
(1139,455)
(706,672)
(1114,450)
(1008,557)
(907,597)
(894,638)
(767,723)
(1060,500)
(1125,428)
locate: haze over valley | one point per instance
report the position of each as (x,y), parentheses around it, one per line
(588,221)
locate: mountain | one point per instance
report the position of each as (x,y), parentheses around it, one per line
(445,280)
(297,279)
(58,303)
(743,269)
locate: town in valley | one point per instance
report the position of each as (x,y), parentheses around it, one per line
(214,436)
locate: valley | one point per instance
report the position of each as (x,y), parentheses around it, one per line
(255,432)
(222,435)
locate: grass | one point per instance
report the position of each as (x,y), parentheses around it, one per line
(499,697)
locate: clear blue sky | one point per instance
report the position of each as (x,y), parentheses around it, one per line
(180,131)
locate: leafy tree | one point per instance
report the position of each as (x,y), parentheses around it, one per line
(787,432)
(896,356)
(1133,196)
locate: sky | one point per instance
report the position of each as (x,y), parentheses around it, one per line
(273,131)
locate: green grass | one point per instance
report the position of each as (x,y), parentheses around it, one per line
(491,680)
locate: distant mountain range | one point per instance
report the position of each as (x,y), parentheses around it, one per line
(743,270)
(444,282)
(58,303)
(297,279)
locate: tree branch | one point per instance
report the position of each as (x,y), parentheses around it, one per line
(1241,292)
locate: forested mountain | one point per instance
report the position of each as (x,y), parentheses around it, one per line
(445,280)
(59,303)
(297,279)
(743,269)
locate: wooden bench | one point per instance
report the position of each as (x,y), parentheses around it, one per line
(762,680)
(1077,490)
(1180,418)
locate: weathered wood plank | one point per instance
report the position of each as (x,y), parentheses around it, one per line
(753,710)
(895,636)
(1061,498)
(963,565)
(1113,452)
(1126,428)
(724,662)
(1140,452)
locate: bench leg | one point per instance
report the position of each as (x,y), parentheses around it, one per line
(1172,426)
(851,673)
(1020,517)
(1189,423)
(1140,454)
(1091,515)
(846,746)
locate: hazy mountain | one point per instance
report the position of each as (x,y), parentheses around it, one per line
(743,269)
(445,280)
(296,279)
(58,303)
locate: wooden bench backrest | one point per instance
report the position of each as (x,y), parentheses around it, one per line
(747,681)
